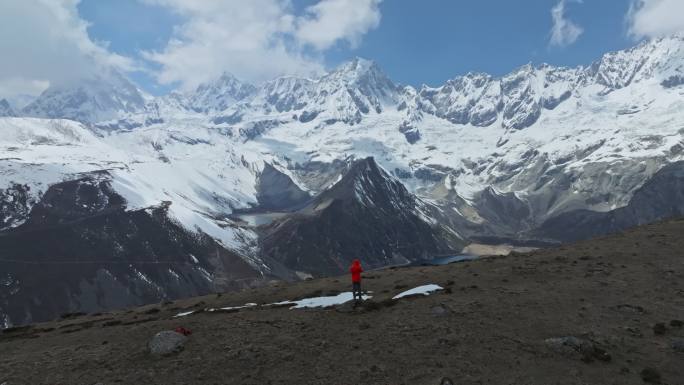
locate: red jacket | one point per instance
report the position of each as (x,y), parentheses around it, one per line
(356,271)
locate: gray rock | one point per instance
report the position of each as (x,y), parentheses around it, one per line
(678,345)
(568,346)
(577,348)
(167,342)
(439,310)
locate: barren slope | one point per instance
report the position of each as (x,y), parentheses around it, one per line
(487,327)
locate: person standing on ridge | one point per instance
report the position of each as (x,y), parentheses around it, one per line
(356,271)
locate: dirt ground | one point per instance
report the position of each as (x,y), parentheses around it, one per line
(487,327)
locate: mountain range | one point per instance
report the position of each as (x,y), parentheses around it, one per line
(110,197)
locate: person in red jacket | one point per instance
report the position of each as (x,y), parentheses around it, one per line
(356,271)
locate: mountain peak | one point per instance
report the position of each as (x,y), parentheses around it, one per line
(225,79)
(650,59)
(368,183)
(365,80)
(6,108)
(90,99)
(219,94)
(356,69)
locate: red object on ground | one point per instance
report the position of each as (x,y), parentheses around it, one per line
(356,271)
(182,330)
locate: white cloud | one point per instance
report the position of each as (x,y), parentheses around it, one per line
(19,91)
(46,42)
(654,18)
(329,21)
(257,39)
(563,32)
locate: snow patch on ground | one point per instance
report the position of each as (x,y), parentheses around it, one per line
(183,314)
(424,290)
(326,301)
(251,304)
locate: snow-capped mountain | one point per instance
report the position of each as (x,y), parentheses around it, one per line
(220,94)
(254,167)
(6,109)
(346,94)
(92,99)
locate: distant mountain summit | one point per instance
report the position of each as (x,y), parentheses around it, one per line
(6,109)
(93,99)
(359,87)
(220,94)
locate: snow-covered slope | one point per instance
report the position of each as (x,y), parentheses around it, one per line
(560,138)
(202,175)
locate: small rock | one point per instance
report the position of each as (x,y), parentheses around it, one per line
(678,345)
(627,308)
(439,310)
(659,329)
(577,348)
(650,375)
(446,381)
(167,342)
(568,346)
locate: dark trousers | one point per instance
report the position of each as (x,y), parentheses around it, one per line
(356,290)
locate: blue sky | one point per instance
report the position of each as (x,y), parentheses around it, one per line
(416,42)
(165,45)
(430,41)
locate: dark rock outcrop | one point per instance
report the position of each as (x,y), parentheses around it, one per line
(367,215)
(276,191)
(80,250)
(660,197)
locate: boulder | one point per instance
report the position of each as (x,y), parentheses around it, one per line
(167,342)
(439,310)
